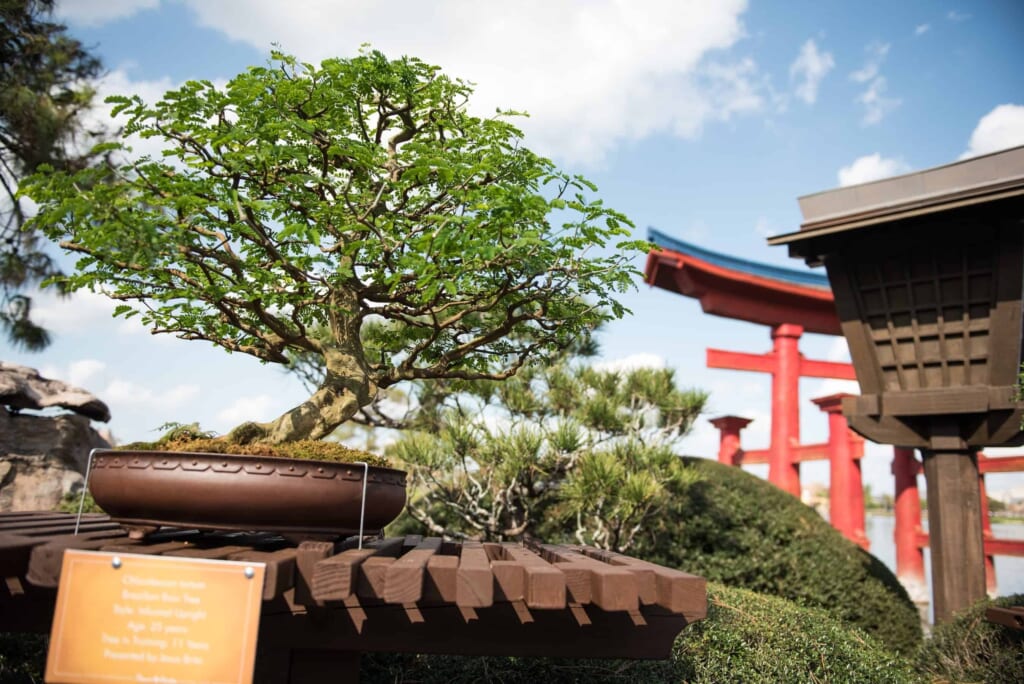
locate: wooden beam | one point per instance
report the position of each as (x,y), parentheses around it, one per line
(1001,464)
(730,360)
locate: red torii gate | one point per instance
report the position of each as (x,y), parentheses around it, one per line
(793,302)
(790,302)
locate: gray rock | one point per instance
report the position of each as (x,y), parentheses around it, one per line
(23,388)
(43,458)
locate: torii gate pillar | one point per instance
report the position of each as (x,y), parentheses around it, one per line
(783,467)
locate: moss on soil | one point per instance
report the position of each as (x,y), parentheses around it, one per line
(191,438)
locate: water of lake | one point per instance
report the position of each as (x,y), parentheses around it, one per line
(1009,569)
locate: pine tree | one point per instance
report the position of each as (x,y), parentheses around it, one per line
(560,447)
(44,93)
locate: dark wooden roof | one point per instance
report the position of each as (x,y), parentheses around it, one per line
(981,179)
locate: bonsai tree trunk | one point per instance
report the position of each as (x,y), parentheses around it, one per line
(346,387)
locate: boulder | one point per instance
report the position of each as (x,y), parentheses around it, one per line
(23,388)
(43,458)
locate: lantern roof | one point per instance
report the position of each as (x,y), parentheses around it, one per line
(985,178)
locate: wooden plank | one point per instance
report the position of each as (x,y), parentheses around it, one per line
(146,549)
(936,402)
(61,528)
(372,581)
(209,553)
(474,583)
(49,520)
(1010,616)
(279,575)
(307,556)
(338,577)
(509,578)
(451,629)
(610,587)
(334,578)
(440,584)
(545,585)
(678,592)
(404,580)
(47,559)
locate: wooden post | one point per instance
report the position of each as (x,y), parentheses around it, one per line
(954,522)
(783,468)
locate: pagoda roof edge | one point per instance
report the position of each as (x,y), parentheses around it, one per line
(778,273)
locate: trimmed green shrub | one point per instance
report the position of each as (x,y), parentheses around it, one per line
(734,528)
(972,649)
(746,637)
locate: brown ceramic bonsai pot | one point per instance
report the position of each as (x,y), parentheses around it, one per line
(145,489)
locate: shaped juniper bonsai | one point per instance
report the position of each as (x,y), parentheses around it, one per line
(359,198)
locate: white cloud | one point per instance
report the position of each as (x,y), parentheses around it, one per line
(1000,129)
(591,75)
(763,227)
(809,68)
(131,394)
(258,408)
(871,167)
(99,12)
(118,82)
(955,16)
(84,370)
(876,104)
(876,55)
(921,29)
(80,311)
(838,350)
(631,363)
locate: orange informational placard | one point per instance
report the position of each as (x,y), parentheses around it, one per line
(132,618)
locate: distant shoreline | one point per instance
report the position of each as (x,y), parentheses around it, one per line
(996,519)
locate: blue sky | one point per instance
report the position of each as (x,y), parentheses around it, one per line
(704,119)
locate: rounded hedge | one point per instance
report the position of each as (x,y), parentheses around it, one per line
(971,649)
(736,529)
(746,637)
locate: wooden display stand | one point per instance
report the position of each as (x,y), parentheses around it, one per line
(325,602)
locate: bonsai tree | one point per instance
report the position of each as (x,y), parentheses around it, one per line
(355,211)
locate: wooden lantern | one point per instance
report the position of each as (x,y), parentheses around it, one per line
(927,271)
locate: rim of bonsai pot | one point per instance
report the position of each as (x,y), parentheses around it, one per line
(282,460)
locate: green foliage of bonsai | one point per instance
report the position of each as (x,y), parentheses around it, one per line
(746,637)
(734,528)
(971,649)
(354,211)
(559,447)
